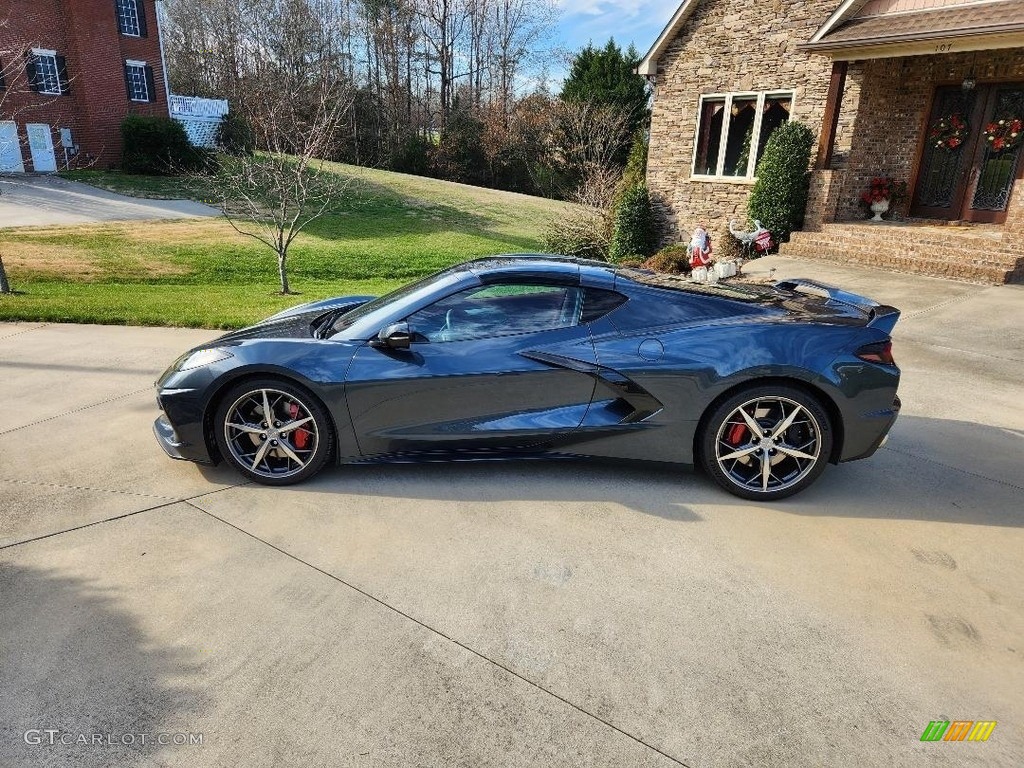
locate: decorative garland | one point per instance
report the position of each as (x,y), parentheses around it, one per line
(1004,134)
(949,132)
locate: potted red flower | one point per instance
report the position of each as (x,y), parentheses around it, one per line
(880,195)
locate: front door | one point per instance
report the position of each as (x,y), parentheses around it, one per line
(972,153)
(40,142)
(499,367)
(10,148)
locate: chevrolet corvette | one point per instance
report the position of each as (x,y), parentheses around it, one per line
(516,356)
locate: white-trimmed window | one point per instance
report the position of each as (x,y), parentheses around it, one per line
(128,18)
(732,130)
(136,81)
(45,72)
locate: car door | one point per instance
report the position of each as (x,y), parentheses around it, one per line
(502,367)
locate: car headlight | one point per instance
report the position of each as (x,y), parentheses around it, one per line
(202,357)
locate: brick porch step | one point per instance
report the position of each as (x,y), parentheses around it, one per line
(961,254)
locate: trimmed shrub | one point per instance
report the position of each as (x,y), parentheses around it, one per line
(674,259)
(158,146)
(779,197)
(633,223)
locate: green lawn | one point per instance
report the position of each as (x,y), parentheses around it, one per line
(200,272)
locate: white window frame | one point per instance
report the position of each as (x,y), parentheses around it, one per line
(723,140)
(128,63)
(46,53)
(138,21)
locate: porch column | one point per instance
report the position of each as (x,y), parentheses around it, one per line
(826,183)
(833,103)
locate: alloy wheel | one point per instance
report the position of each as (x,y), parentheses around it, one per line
(271,433)
(768,444)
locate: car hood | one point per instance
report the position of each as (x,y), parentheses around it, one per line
(294,323)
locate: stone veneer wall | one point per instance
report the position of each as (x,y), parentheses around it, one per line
(731,45)
(893,113)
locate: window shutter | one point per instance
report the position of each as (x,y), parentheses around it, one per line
(3,82)
(140,5)
(62,74)
(150,84)
(30,72)
(127,83)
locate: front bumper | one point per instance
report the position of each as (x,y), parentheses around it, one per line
(179,429)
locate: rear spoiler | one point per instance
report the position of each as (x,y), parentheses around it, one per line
(881,316)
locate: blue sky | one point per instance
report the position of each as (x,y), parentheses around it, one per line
(628,21)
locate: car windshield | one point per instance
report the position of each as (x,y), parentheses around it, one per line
(350,318)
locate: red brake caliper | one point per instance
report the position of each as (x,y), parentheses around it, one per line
(736,434)
(300,437)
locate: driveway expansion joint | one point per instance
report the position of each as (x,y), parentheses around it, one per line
(76,410)
(24,330)
(930,460)
(169,503)
(942,305)
(433,630)
(86,488)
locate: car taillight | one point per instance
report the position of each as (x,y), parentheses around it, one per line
(880,352)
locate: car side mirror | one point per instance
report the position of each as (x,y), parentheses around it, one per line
(394,336)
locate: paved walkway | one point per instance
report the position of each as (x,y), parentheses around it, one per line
(50,200)
(513,614)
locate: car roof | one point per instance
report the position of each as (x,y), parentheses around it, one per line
(538,265)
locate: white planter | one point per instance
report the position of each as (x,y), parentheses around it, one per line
(878,209)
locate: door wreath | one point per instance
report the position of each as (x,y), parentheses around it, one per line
(949,132)
(1004,133)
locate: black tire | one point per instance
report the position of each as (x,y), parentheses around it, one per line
(733,455)
(266,454)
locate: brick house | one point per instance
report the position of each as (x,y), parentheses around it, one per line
(879,82)
(73,70)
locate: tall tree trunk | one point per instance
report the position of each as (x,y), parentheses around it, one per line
(5,287)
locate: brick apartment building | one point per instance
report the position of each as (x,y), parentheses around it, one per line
(929,92)
(72,71)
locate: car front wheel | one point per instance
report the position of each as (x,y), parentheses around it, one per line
(273,432)
(767,442)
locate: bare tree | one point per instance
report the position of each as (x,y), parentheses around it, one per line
(588,135)
(274,193)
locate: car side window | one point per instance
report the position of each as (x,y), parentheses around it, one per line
(497,310)
(598,302)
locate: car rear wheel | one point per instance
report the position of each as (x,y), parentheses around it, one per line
(767,442)
(273,431)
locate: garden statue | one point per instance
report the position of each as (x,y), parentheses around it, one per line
(700,254)
(758,240)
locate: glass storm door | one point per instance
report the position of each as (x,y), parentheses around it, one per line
(971,154)
(997,161)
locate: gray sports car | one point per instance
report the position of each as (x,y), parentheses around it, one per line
(531,355)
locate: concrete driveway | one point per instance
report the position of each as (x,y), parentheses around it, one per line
(27,201)
(517,614)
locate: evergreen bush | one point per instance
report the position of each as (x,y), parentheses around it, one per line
(633,223)
(779,197)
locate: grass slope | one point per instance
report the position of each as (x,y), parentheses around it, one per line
(201,273)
